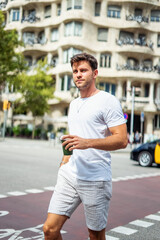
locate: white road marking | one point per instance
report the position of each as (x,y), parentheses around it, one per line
(141,223)
(153,217)
(49,188)
(3,213)
(3,196)
(124,230)
(135,177)
(111,238)
(17,193)
(34,191)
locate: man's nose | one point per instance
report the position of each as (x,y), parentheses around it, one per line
(79,74)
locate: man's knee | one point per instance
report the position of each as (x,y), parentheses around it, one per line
(97,235)
(51,232)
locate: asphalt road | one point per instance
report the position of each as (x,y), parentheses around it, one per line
(28,171)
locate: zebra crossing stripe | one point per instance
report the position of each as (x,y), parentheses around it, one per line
(49,188)
(135,177)
(153,217)
(141,223)
(34,191)
(111,238)
(124,230)
(16,193)
(108,238)
(3,196)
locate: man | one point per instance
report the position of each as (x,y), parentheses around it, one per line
(96,126)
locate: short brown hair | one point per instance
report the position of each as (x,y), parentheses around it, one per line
(85,57)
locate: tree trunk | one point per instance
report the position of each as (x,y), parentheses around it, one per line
(33,131)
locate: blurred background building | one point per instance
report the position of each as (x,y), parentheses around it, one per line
(124,36)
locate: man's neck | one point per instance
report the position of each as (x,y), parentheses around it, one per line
(86,94)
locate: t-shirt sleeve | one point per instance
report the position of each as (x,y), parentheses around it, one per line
(113,114)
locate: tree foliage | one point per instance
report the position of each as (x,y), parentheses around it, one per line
(11,62)
(36,90)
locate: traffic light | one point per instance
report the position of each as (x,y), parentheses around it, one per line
(6,105)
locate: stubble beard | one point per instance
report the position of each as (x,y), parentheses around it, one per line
(87,84)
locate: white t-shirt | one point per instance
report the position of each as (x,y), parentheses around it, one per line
(90,118)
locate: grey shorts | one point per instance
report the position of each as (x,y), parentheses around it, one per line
(95,196)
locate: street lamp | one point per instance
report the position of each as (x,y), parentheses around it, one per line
(132,116)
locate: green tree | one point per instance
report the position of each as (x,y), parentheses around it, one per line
(36,90)
(11,62)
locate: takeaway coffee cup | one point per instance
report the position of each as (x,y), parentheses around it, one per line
(65,151)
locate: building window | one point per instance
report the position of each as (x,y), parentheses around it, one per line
(73,29)
(58,9)
(147,65)
(32,12)
(132,63)
(158,41)
(47,11)
(14,15)
(66,83)
(146,90)
(102,34)
(74,4)
(126,35)
(41,38)
(105,60)
(54,61)
(97,9)
(54,35)
(114,11)
(68,53)
(157,121)
(138,12)
(28,60)
(155,16)
(29,38)
(108,87)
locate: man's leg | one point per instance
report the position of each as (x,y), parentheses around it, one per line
(97,235)
(53,225)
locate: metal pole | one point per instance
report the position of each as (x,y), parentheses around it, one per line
(141,130)
(132,115)
(4,124)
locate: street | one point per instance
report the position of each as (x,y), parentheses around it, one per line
(28,175)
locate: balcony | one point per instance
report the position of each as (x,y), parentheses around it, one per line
(3,4)
(31,18)
(135,41)
(139,67)
(33,41)
(140,104)
(138,19)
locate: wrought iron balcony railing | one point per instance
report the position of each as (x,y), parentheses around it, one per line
(138,19)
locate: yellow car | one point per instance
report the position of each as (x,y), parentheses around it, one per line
(147,154)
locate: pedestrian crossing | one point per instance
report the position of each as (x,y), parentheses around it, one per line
(27,191)
(136,230)
(156,174)
(128,231)
(51,188)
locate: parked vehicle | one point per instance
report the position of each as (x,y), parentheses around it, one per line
(147,154)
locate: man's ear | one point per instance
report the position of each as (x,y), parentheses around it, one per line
(95,73)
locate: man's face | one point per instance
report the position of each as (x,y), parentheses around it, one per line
(83,75)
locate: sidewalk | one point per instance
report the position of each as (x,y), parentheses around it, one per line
(128,149)
(50,143)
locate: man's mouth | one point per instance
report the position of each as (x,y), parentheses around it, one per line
(79,81)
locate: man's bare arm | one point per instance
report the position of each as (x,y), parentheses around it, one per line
(65,159)
(117,140)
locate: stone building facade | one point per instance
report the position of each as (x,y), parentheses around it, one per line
(123,35)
